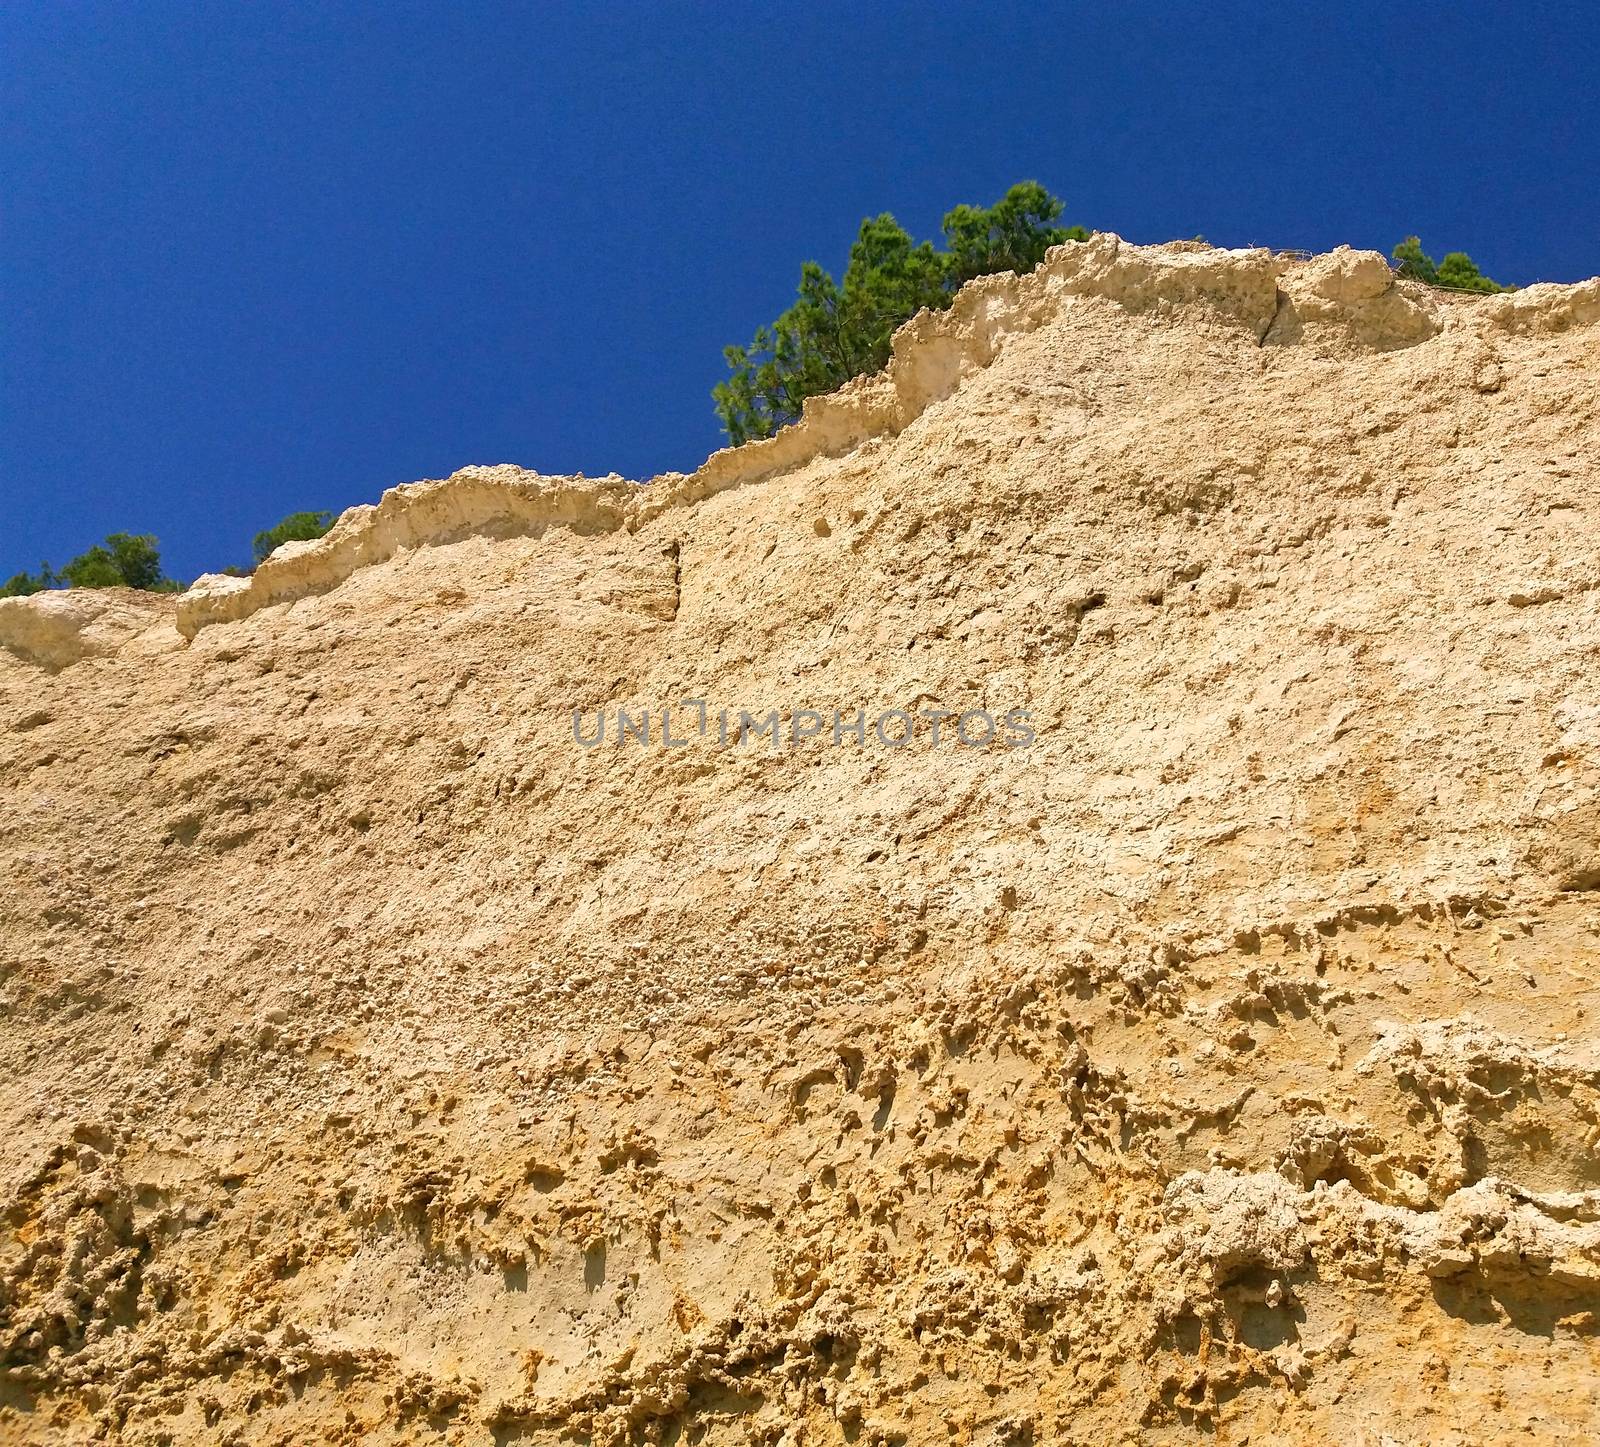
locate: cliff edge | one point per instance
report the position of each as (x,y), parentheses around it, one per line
(1057,900)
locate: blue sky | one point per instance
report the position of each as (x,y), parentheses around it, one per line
(261,257)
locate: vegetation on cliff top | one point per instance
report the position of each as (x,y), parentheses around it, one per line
(839,330)
(123,560)
(298,527)
(1457,271)
(836,331)
(126,560)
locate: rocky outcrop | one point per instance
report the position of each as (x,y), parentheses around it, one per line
(56,629)
(389,1061)
(932,354)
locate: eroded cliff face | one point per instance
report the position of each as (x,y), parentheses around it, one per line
(388,1067)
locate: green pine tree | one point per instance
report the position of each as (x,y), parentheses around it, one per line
(838,330)
(298,527)
(123,560)
(1457,271)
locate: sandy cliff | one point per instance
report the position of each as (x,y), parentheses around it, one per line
(387,1066)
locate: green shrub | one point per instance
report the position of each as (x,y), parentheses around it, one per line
(298,527)
(129,560)
(1011,235)
(22,585)
(839,330)
(1457,270)
(123,560)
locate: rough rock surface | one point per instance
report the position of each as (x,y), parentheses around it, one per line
(385,1067)
(57,629)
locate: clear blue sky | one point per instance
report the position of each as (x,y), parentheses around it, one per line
(261,257)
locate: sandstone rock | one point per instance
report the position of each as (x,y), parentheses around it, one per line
(57,628)
(384,1065)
